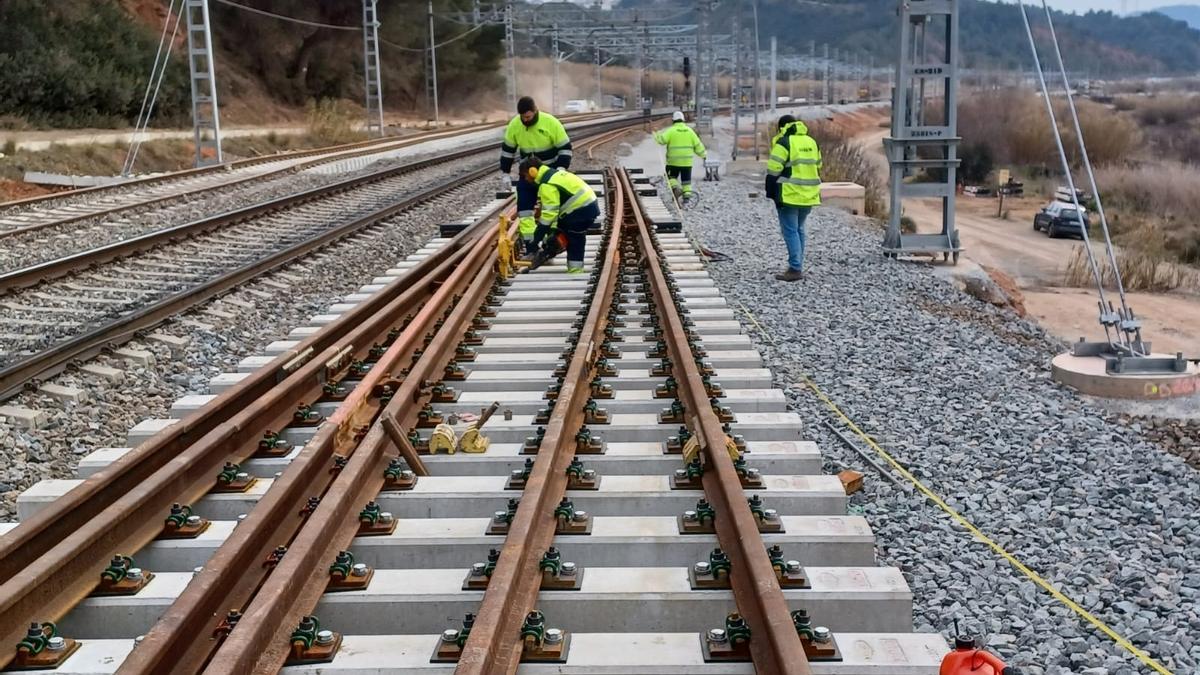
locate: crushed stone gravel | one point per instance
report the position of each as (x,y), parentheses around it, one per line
(960,393)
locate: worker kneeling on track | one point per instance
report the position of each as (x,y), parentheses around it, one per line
(568,210)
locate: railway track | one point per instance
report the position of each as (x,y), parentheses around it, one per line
(578,537)
(53,211)
(67,309)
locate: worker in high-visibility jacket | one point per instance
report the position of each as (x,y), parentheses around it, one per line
(568,209)
(794,184)
(532,134)
(682,144)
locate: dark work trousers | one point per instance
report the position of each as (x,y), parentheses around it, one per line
(683,174)
(527,194)
(576,225)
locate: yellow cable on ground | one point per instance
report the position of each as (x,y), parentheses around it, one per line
(961,520)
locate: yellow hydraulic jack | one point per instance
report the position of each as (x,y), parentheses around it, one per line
(506,252)
(472,440)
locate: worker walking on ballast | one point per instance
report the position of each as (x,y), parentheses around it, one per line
(682,144)
(794,184)
(568,210)
(531,134)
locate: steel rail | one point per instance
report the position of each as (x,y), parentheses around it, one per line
(494,644)
(180,640)
(259,644)
(34,274)
(774,646)
(140,496)
(336,152)
(15,376)
(78,531)
(120,508)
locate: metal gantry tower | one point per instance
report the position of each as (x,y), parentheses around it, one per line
(206,117)
(371,70)
(745,92)
(924,139)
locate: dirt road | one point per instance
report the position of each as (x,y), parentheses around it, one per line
(1036,262)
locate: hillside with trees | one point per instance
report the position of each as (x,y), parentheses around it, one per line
(76,63)
(993,35)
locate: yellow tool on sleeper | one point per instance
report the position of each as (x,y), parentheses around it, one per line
(472,440)
(443,440)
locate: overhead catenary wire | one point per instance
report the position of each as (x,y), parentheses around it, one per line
(157,72)
(162,39)
(281,17)
(439,45)
(1066,166)
(330,26)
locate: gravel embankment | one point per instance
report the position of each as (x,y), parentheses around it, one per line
(960,393)
(267,310)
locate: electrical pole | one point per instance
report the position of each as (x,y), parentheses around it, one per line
(774,75)
(206,118)
(554,84)
(511,48)
(431,85)
(371,71)
(599,88)
(812,64)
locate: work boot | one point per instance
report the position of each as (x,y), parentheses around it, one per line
(790,275)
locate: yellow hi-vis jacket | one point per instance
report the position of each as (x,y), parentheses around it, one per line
(561,192)
(793,171)
(545,138)
(681,144)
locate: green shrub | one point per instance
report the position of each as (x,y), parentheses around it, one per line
(72,63)
(976,163)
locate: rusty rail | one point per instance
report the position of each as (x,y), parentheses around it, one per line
(494,644)
(51,361)
(233,576)
(259,642)
(775,646)
(121,507)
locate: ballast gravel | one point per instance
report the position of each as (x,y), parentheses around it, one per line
(264,310)
(960,393)
(18,251)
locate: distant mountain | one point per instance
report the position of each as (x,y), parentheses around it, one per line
(1189,14)
(992,34)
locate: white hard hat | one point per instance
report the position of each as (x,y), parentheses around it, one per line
(677,116)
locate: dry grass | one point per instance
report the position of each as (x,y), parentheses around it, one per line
(1014,125)
(1155,206)
(1140,271)
(333,122)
